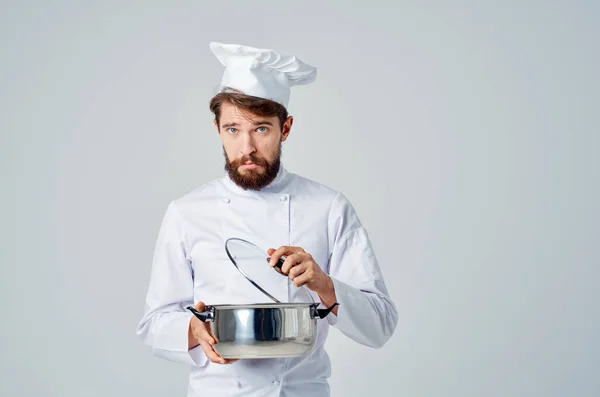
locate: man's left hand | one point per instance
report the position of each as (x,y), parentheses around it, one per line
(302,269)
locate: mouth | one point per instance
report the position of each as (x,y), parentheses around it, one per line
(249,164)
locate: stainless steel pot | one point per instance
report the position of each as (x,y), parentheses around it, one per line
(263,330)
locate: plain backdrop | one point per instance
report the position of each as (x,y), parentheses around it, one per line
(464,133)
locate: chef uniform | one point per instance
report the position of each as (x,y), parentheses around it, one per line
(190,263)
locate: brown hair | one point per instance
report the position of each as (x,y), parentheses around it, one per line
(251,104)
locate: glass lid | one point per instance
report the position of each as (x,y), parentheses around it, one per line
(252,262)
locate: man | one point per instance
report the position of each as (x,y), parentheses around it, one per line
(326,248)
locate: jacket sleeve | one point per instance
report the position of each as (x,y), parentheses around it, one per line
(366,313)
(165,322)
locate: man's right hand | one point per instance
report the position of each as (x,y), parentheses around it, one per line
(200,333)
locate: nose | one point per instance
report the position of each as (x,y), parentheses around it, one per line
(247,145)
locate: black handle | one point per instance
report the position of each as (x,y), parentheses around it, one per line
(279,265)
(208,315)
(322,313)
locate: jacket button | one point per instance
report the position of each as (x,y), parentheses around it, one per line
(283,198)
(226,200)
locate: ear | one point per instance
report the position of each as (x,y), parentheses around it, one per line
(287,128)
(216,125)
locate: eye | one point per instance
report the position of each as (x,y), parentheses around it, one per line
(232,130)
(262,129)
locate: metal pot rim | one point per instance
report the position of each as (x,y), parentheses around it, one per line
(281,305)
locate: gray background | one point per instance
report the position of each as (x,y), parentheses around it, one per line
(465,134)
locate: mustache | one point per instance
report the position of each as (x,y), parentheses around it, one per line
(252,158)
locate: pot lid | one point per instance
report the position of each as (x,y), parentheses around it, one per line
(252,262)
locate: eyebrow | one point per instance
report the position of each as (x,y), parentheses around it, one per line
(260,122)
(263,122)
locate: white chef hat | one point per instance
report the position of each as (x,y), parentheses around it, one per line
(263,73)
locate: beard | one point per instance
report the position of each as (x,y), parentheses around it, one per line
(253,179)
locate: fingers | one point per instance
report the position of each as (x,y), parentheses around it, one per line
(211,333)
(275,255)
(298,265)
(211,353)
(302,270)
(304,278)
(283,250)
(290,261)
(297,270)
(202,330)
(208,345)
(205,335)
(202,333)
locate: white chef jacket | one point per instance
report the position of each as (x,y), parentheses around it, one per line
(190,265)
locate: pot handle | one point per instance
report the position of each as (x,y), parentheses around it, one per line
(208,315)
(322,313)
